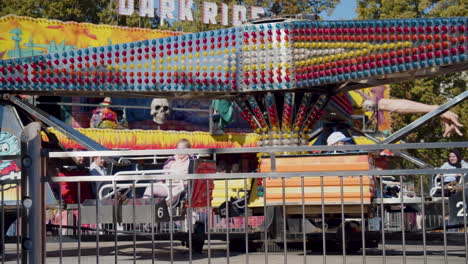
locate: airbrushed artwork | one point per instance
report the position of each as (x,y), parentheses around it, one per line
(270,57)
(365,100)
(265,57)
(25,36)
(9,170)
(9,145)
(257,135)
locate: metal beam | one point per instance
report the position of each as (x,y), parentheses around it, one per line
(334,111)
(413,159)
(123,106)
(34,236)
(252,175)
(399,153)
(52,121)
(152,152)
(425,118)
(400,77)
(315,134)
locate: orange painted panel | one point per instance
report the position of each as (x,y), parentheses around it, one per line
(317,163)
(351,185)
(315,181)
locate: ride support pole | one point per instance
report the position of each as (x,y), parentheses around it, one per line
(32,196)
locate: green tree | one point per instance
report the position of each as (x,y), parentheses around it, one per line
(91,11)
(67,10)
(315,7)
(105,11)
(437,90)
(108,15)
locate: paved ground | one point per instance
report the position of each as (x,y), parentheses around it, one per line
(435,254)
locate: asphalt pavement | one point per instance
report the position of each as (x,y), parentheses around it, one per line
(218,254)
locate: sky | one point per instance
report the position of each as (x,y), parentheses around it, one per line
(346,10)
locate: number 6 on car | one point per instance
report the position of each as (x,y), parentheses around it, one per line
(162,213)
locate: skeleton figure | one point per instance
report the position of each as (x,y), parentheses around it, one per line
(160,110)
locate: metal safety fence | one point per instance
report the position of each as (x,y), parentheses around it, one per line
(274,215)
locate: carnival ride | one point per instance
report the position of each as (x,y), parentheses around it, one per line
(284,75)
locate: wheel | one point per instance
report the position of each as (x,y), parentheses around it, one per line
(315,246)
(197,246)
(237,245)
(353,239)
(352,247)
(198,238)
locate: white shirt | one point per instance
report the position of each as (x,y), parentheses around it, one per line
(96,170)
(449,177)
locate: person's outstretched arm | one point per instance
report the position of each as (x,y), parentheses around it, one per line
(403,106)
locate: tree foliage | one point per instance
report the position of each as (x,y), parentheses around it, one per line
(73,10)
(437,90)
(91,11)
(315,7)
(387,9)
(105,11)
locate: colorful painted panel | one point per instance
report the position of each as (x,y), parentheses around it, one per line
(25,36)
(157,139)
(377,121)
(271,56)
(10,170)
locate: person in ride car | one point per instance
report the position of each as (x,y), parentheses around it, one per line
(337,139)
(178,164)
(98,168)
(454,161)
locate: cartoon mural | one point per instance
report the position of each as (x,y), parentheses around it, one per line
(9,145)
(25,36)
(364,100)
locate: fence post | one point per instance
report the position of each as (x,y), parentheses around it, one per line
(32,195)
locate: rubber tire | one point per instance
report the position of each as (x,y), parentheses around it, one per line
(352,246)
(237,245)
(198,238)
(315,247)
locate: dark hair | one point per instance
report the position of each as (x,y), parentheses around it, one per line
(459,158)
(221,166)
(185,141)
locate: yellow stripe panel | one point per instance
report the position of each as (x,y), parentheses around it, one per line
(235,189)
(10,192)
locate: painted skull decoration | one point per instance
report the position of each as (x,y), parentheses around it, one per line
(369,105)
(160,110)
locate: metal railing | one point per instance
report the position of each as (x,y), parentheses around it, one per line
(133,229)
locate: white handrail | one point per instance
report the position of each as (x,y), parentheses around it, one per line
(120,186)
(143,172)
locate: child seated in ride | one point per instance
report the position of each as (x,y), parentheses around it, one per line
(337,139)
(178,164)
